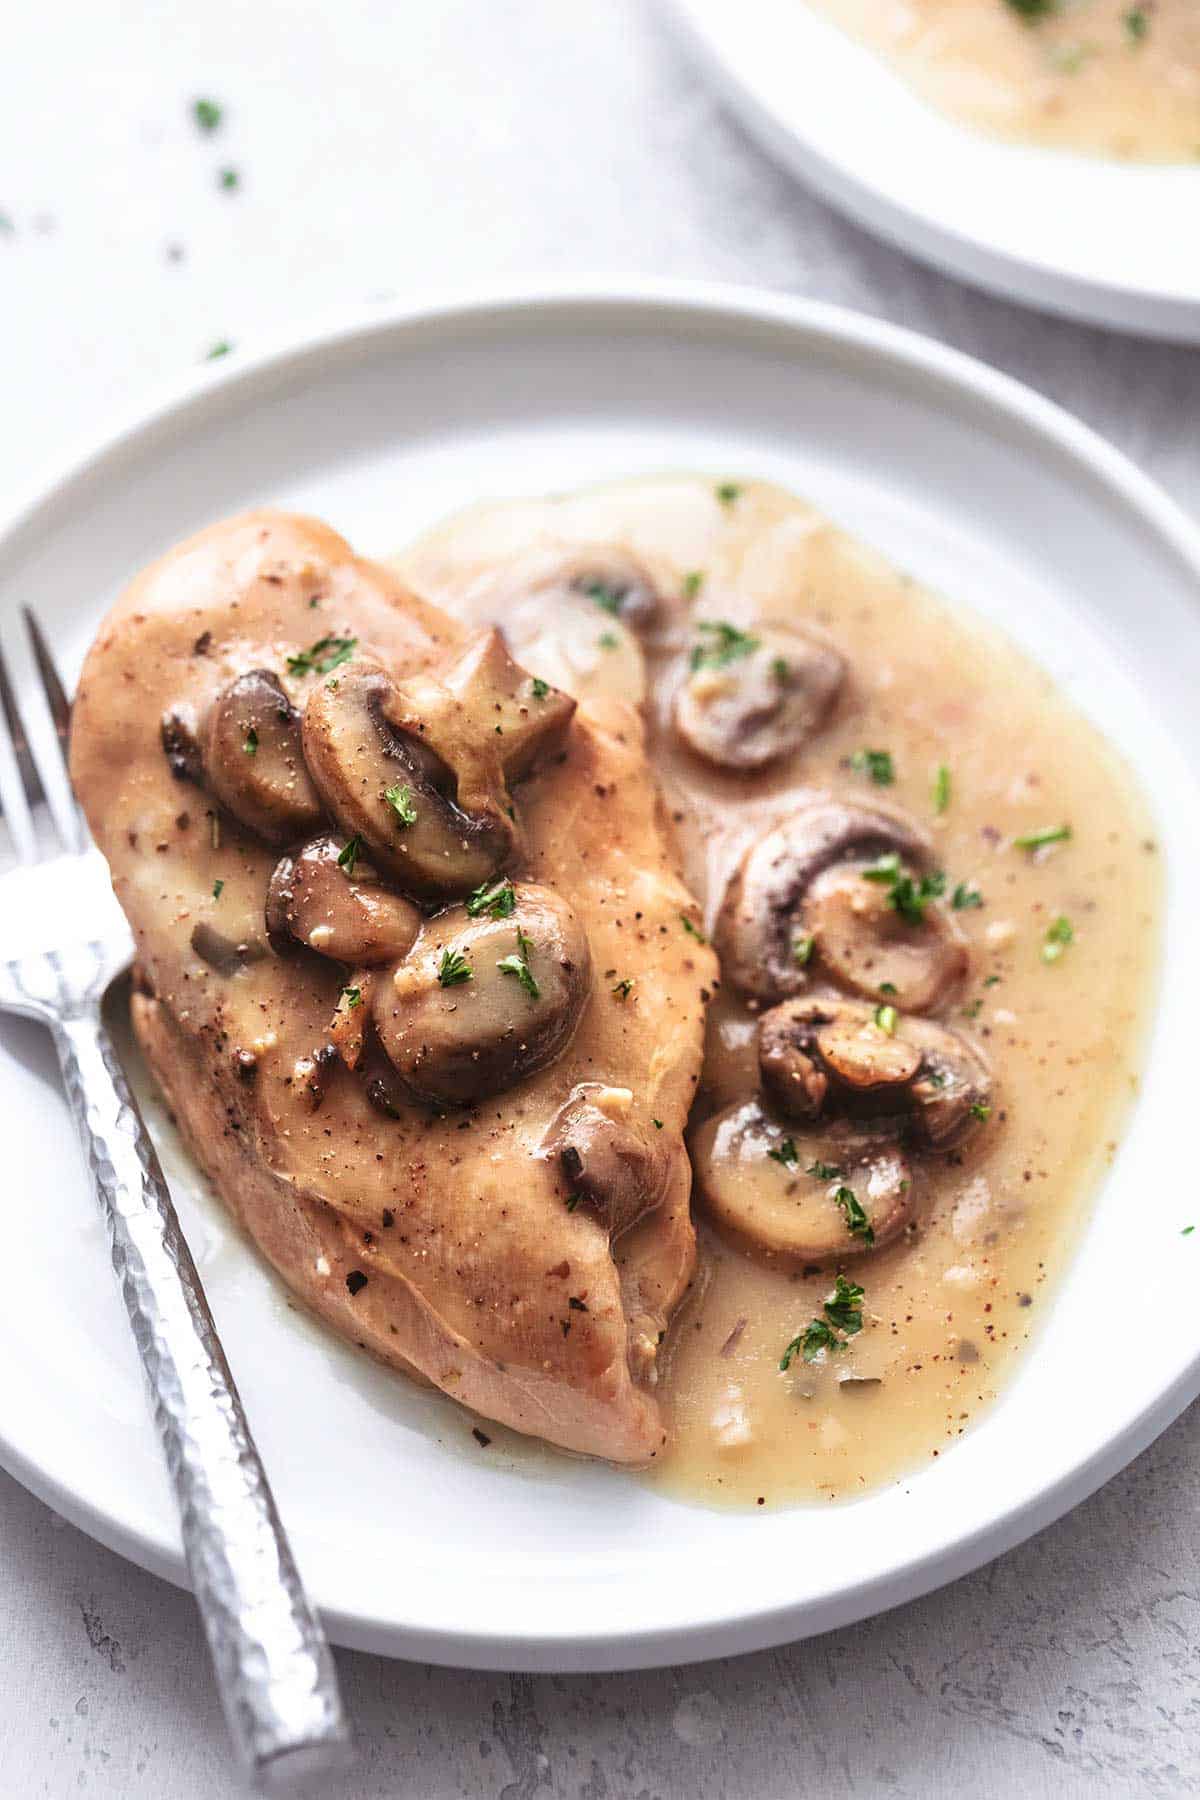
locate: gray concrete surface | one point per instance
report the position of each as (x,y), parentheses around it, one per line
(381,147)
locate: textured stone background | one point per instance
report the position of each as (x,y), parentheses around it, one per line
(382,147)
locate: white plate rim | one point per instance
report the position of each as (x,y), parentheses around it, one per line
(590,300)
(1113,299)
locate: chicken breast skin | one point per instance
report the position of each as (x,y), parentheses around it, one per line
(450,1246)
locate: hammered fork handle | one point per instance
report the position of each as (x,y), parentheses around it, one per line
(273,1666)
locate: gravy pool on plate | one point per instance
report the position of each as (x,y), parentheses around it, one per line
(1109,77)
(941,828)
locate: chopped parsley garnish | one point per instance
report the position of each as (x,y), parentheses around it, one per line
(454,969)
(726,644)
(1049,834)
(608,640)
(941,788)
(495,898)
(693,581)
(1187,1231)
(401,803)
(965,896)
(888,987)
(1137,23)
(824,1171)
(540,688)
(624,988)
(692,929)
(728,492)
(573,1201)
(228,180)
(222,347)
(326,654)
(217,886)
(875,763)
(886,1018)
(802,949)
(787,1153)
(207,114)
(1058,936)
(609,598)
(353,997)
(350,854)
(907,897)
(251,744)
(524,944)
(515,965)
(1032,10)
(843,1314)
(981,1110)
(844,1307)
(856,1219)
(657,1124)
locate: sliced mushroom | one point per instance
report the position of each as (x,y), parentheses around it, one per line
(528,717)
(572,614)
(824,1058)
(608,1163)
(480,1003)
(404,768)
(253,759)
(228,956)
(335,904)
(780,1193)
(799,900)
(760,697)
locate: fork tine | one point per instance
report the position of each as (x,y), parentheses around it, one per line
(16,786)
(52,687)
(56,783)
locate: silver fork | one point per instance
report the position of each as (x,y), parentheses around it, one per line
(273,1667)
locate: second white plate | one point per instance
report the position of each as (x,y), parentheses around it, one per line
(412,1540)
(1112,243)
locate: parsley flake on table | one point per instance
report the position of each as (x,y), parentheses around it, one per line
(728,492)
(941,788)
(207,115)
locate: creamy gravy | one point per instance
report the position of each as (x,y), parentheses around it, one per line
(946,1307)
(1102,76)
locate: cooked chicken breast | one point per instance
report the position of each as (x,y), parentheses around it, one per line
(521,1246)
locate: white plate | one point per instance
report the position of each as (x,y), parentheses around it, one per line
(1114,243)
(412,1540)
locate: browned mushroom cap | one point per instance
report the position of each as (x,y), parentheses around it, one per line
(809,1199)
(744,709)
(405,770)
(253,760)
(529,718)
(481,1002)
(332,901)
(821,1059)
(806,895)
(608,1164)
